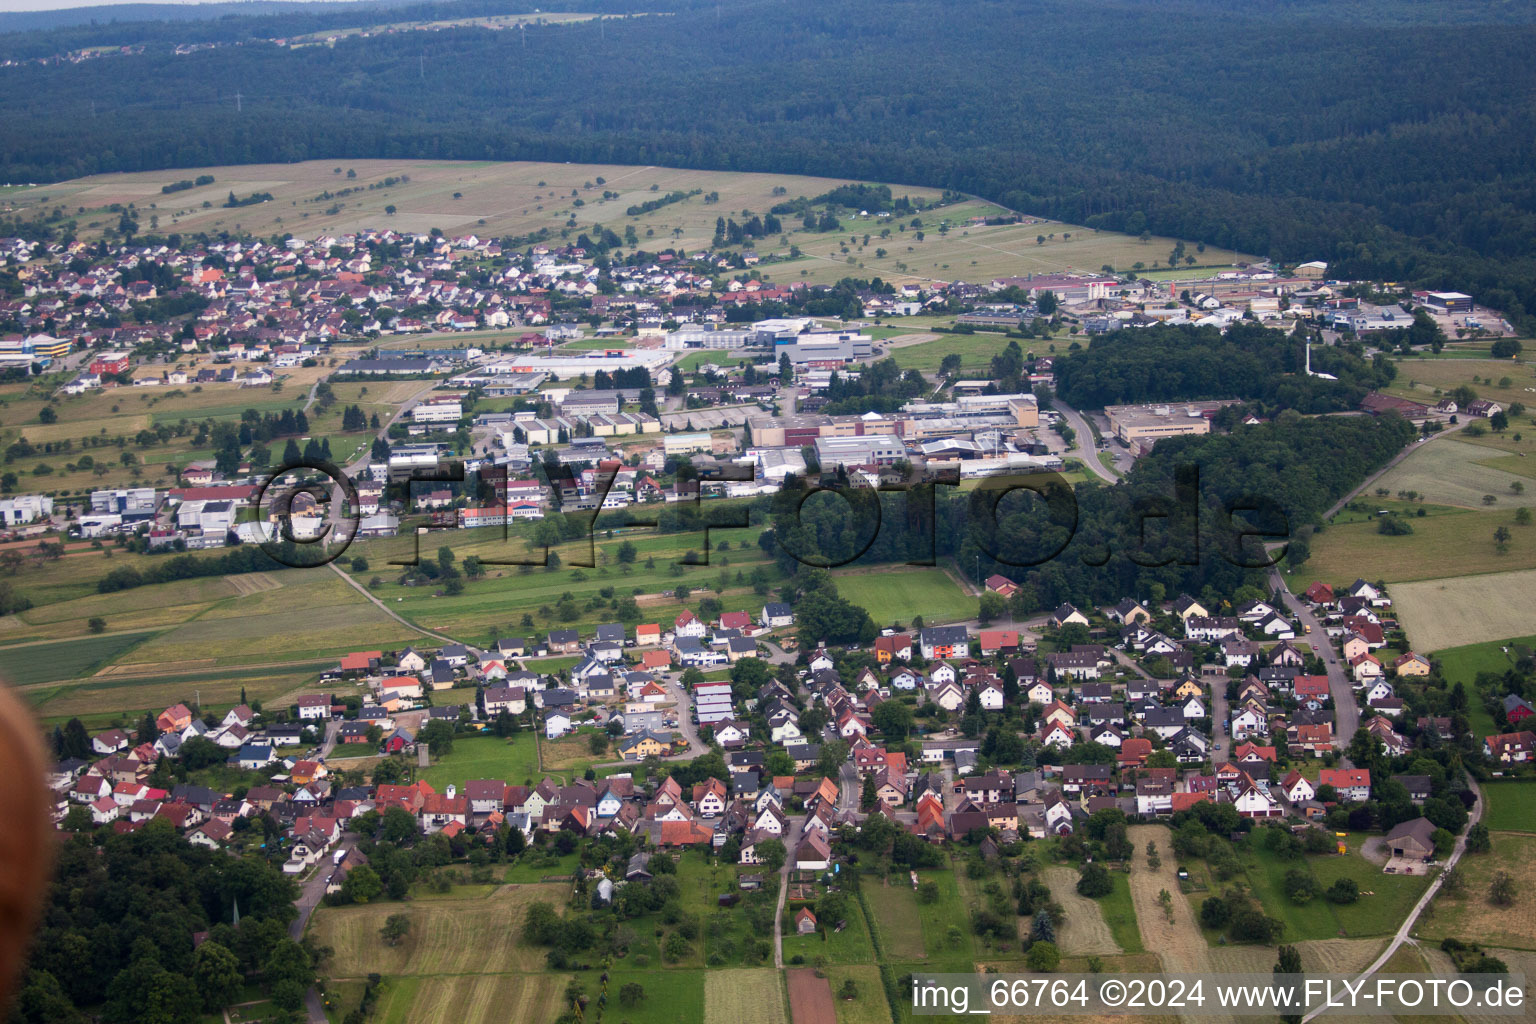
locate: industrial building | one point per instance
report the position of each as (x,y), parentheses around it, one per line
(1144,425)
(868,450)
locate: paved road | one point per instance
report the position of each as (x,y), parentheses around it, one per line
(1083,445)
(332,732)
(1403,932)
(1346,713)
(310,895)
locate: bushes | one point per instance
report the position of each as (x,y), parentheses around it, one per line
(1095,881)
(1215,912)
(1343,891)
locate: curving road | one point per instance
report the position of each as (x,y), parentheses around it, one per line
(1082,444)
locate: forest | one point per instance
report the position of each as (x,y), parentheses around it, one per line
(1175,524)
(1390,139)
(121,926)
(1188,363)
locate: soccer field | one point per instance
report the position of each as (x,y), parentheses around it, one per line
(899,594)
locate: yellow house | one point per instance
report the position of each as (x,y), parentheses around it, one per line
(1412,664)
(1188,688)
(642,746)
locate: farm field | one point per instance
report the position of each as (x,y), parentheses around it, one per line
(1471,915)
(501,199)
(1509,806)
(496,604)
(471,999)
(103,698)
(749,996)
(319,615)
(1459,543)
(1177,940)
(1450,471)
(105,416)
(50,662)
(447,936)
(1420,379)
(1444,613)
(486,757)
(901,593)
(810,997)
(1084,932)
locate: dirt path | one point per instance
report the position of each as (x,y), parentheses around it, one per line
(1084,932)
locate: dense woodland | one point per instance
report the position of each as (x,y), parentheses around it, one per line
(1184,363)
(1391,139)
(118,930)
(1168,528)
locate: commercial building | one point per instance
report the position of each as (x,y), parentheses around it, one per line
(25,508)
(439,410)
(132,503)
(1145,425)
(1449,302)
(868,450)
(682,444)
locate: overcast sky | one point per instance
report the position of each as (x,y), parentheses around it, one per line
(54,5)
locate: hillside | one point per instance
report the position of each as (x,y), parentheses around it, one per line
(1387,139)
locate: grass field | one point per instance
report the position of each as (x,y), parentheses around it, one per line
(1084,932)
(1450,471)
(1509,806)
(896,920)
(868,1006)
(499,199)
(486,757)
(1120,914)
(319,615)
(948,912)
(1467,610)
(849,946)
(901,593)
(1458,543)
(747,996)
(670,996)
(49,662)
(447,936)
(1425,380)
(1377,914)
(975,352)
(1471,915)
(471,999)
